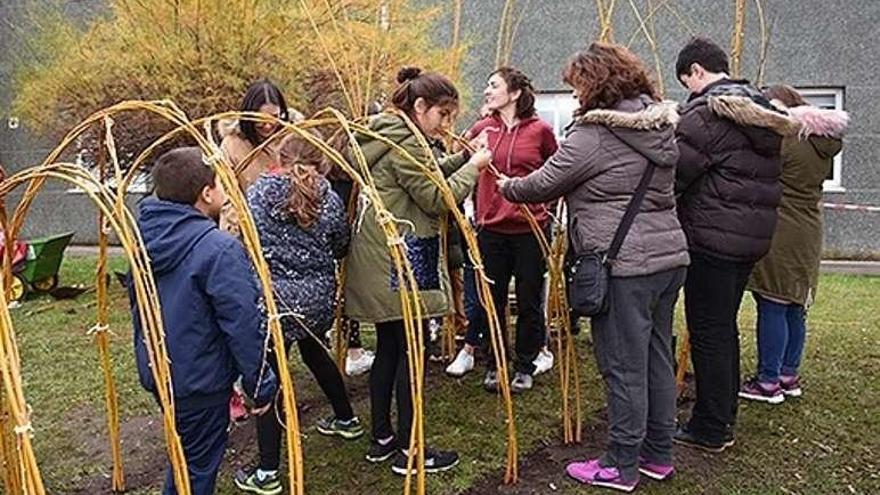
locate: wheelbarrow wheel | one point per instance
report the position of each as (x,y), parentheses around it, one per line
(19,289)
(47,284)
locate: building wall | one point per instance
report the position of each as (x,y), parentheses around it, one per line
(812,43)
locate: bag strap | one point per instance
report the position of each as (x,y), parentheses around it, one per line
(634,205)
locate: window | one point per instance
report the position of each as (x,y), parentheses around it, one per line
(556,110)
(140,183)
(828,98)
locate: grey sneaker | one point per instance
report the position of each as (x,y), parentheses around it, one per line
(251,483)
(490,383)
(333,427)
(521,382)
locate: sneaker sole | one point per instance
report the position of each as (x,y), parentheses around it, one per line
(615,486)
(428,470)
(457,375)
(258,491)
(338,433)
(656,476)
(793,393)
(775,399)
(379,460)
(706,448)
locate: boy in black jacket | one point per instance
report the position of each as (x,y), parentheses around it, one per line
(209,299)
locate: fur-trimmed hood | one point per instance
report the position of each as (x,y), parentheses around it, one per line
(815,121)
(642,123)
(747,112)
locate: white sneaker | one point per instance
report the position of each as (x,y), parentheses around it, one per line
(361,365)
(463,363)
(544,362)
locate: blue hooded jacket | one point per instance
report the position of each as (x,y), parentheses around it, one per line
(210,310)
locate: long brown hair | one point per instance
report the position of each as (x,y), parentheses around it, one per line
(303,163)
(786,94)
(605,74)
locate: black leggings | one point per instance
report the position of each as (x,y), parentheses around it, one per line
(388,377)
(329,379)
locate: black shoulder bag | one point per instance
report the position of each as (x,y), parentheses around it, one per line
(588,273)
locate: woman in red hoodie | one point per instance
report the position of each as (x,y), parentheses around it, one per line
(520,143)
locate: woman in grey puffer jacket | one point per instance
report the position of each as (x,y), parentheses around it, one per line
(619,126)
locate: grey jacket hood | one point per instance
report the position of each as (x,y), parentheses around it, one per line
(631,118)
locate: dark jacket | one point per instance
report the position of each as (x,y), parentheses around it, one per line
(598,171)
(209,296)
(790,270)
(728,174)
(516,152)
(302,261)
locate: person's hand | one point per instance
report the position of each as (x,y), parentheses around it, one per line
(259,411)
(501,181)
(482,140)
(481,158)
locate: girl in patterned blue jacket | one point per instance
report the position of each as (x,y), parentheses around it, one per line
(303,231)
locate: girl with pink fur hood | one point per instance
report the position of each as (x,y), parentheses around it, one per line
(784,281)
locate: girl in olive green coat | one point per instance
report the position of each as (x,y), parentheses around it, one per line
(784,281)
(372,283)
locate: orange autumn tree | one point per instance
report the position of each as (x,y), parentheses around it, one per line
(202,54)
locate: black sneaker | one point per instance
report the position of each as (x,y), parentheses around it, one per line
(381,453)
(436,461)
(686,437)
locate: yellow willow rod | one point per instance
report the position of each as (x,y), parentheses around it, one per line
(99,196)
(8,451)
(412,322)
(327,53)
(555,265)
(411,307)
(124,225)
(436,176)
(101,326)
(252,244)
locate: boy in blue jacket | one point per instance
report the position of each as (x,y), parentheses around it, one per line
(209,300)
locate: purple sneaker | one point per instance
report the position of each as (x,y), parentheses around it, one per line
(591,473)
(791,385)
(659,472)
(770,393)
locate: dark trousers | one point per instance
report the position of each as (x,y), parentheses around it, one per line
(712,295)
(327,375)
(518,256)
(389,377)
(203,433)
(633,347)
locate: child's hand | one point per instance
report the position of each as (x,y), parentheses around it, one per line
(259,411)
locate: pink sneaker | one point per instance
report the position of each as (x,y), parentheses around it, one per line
(591,473)
(659,472)
(791,385)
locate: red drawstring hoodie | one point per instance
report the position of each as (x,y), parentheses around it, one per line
(516,152)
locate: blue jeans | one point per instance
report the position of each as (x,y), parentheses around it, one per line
(203,435)
(782,332)
(476,315)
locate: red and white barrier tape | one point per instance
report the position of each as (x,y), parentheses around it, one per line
(849,207)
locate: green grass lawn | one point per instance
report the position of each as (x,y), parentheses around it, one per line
(826,442)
